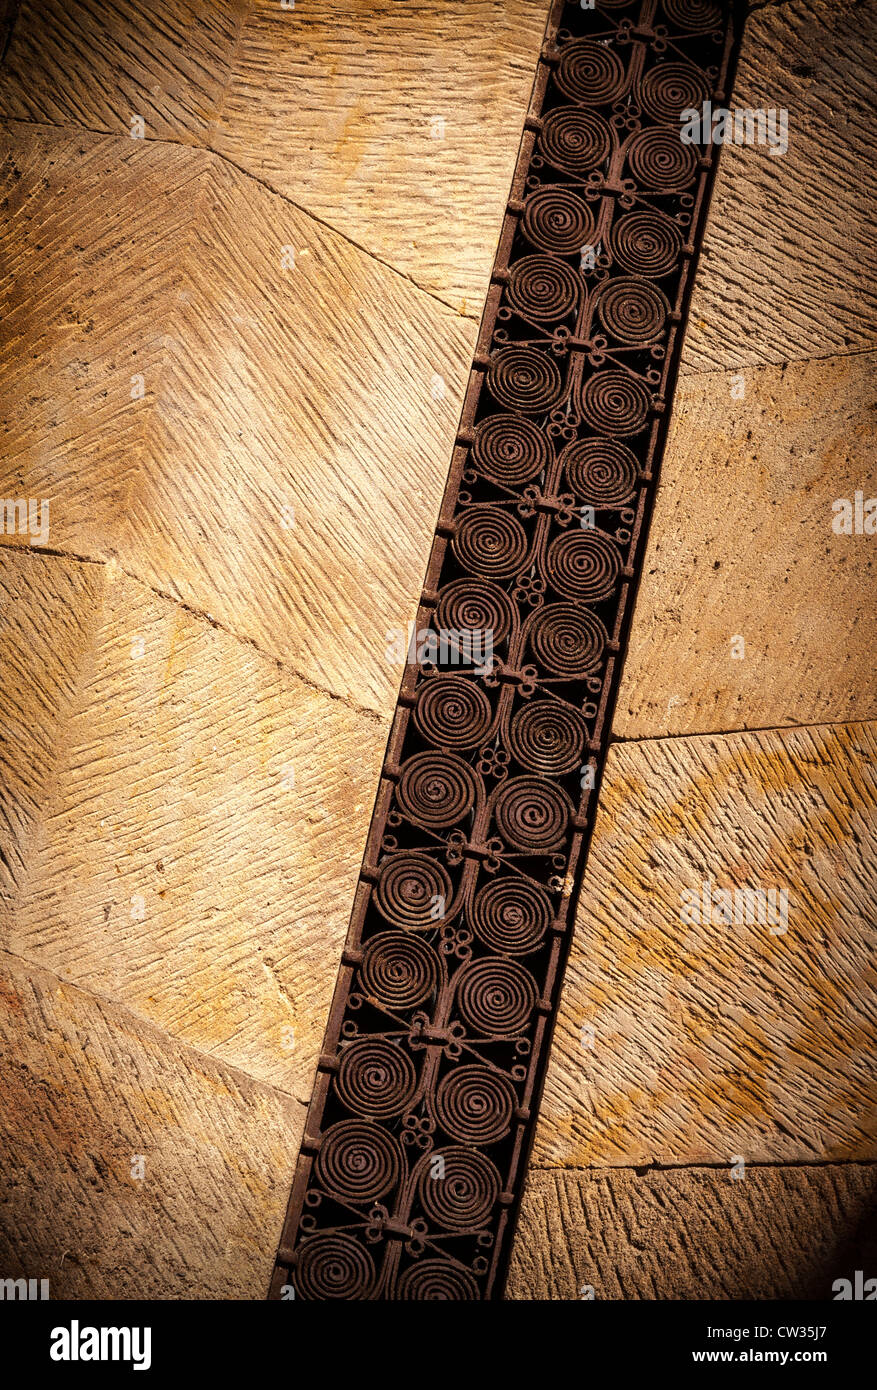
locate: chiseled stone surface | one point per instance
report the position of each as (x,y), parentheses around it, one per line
(408,136)
(183,822)
(786,271)
(301,550)
(231,400)
(98,66)
(742,545)
(685,1038)
(396,124)
(340,109)
(86,1091)
(694,1233)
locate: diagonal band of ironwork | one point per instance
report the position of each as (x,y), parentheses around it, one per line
(428,1083)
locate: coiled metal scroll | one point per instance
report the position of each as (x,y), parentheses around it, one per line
(423,1108)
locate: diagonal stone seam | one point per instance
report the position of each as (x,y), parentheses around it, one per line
(222,158)
(428,1085)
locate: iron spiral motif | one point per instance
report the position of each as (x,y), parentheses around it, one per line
(436,789)
(475,605)
(584,565)
(490,541)
(633,310)
(468,1192)
(568,640)
(525,379)
(548,736)
(511,916)
(557,219)
(428,1080)
(616,402)
(375,1078)
(659,161)
(574,140)
(695,16)
(407,886)
(438,1280)
(496,996)
(646,242)
(359,1160)
(399,970)
(532,815)
(453,712)
(475,1104)
(543,287)
(670,88)
(508,449)
(603,472)
(590,73)
(335,1268)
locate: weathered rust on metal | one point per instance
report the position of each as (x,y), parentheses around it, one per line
(427,1088)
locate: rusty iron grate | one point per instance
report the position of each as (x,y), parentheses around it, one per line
(427,1088)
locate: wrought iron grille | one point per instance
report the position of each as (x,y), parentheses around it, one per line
(427,1088)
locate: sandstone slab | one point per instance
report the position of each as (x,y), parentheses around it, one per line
(753,611)
(185,821)
(236,404)
(692,1029)
(397,124)
(694,1234)
(100,67)
(786,271)
(131,1167)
